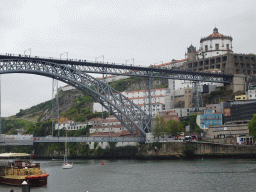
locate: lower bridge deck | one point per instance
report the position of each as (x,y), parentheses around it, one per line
(11,141)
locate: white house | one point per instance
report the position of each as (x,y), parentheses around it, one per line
(71,125)
(67,88)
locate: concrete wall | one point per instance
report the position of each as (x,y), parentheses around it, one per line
(238,83)
(201,148)
(217,149)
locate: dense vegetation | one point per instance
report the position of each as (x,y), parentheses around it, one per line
(252,126)
(79,112)
(123,84)
(191,121)
(220,96)
(34,109)
(173,127)
(11,126)
(82,150)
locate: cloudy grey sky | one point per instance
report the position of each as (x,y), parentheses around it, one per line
(150,31)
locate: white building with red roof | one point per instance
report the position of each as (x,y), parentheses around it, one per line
(70,125)
(67,88)
(215,44)
(140,98)
(108,125)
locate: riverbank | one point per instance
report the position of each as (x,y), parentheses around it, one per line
(155,150)
(196,150)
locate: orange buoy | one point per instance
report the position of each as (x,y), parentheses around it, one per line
(102,163)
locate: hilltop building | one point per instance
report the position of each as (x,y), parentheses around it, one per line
(214,45)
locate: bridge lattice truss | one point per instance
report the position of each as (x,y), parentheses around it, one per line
(75,73)
(130,115)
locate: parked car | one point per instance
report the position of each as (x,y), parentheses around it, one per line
(188,138)
(194,137)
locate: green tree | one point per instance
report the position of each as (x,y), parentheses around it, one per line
(159,126)
(191,121)
(174,127)
(252,126)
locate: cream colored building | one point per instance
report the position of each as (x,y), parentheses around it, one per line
(229,130)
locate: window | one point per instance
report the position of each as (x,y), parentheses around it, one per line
(206,48)
(227,46)
(216,46)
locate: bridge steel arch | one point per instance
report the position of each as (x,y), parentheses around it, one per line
(130,115)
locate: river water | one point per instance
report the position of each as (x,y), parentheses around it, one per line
(148,175)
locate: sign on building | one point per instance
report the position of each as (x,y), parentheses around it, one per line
(227,112)
(187,128)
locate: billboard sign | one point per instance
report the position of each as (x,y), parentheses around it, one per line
(227,112)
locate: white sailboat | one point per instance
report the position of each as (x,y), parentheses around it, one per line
(66,164)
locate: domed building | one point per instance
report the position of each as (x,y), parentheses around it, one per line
(215,44)
(215,55)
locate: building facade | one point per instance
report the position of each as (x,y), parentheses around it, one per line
(140,98)
(210,117)
(239,110)
(70,125)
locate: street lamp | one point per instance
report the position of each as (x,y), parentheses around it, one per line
(63,54)
(99,57)
(28,50)
(129,60)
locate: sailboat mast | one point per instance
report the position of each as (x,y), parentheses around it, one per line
(65,157)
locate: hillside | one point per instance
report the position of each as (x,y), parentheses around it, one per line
(75,105)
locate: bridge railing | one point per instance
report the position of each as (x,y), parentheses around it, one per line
(64,59)
(89,139)
(14,141)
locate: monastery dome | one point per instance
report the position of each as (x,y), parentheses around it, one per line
(216,35)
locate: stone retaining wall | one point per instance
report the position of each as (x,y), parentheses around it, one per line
(200,148)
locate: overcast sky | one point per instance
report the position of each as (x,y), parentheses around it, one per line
(148,31)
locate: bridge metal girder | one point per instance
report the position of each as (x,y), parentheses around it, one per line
(157,73)
(88,139)
(128,70)
(129,114)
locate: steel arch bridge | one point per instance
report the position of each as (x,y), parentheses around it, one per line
(129,114)
(75,73)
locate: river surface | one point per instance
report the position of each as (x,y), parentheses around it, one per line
(148,175)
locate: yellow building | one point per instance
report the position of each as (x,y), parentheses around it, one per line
(241,97)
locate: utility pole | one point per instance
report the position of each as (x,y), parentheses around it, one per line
(0,109)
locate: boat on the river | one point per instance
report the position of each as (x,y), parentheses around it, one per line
(14,170)
(66,164)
